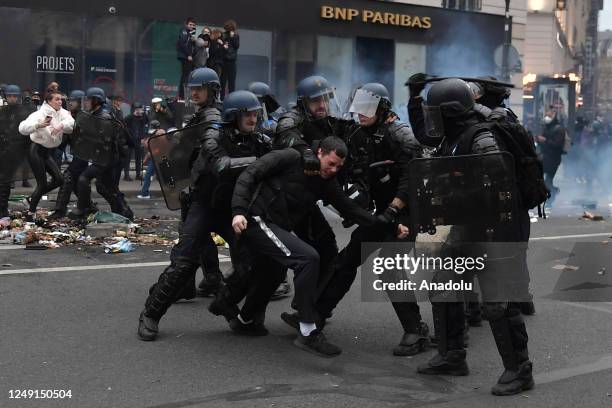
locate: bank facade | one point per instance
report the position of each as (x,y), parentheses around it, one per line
(128,46)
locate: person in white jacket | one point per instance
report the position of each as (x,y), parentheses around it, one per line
(46,127)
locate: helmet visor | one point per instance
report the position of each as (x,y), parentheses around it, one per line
(434,125)
(323,104)
(13,99)
(364,103)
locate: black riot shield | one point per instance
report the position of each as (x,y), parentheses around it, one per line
(14,146)
(462,190)
(172,153)
(93,137)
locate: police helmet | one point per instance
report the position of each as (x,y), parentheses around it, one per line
(76,95)
(204,77)
(12,90)
(379,90)
(239,102)
(260,89)
(96,93)
(452,96)
(493,94)
(313,87)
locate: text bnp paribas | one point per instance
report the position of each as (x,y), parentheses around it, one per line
(375,17)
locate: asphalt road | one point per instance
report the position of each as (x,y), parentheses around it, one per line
(74,328)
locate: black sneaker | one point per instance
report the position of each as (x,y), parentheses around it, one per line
(513,382)
(147,327)
(248,329)
(221,306)
(451,363)
(292,319)
(316,343)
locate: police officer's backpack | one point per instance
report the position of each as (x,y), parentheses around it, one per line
(528,165)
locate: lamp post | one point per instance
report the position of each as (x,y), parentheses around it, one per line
(505,69)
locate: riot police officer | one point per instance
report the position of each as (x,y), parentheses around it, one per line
(452,117)
(222,151)
(269,102)
(103,173)
(315,117)
(76,166)
(378,140)
(75,102)
(13,146)
(207,113)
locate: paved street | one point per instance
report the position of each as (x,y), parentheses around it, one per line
(69,319)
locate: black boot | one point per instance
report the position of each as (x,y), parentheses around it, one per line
(451,363)
(210,285)
(511,339)
(147,327)
(223,306)
(161,295)
(413,343)
(514,381)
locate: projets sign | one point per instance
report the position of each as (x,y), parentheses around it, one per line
(55,65)
(375,17)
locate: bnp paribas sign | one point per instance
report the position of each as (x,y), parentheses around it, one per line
(375,17)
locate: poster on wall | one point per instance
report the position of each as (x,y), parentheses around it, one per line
(558,95)
(60,64)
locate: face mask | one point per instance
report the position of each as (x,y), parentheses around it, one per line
(547,120)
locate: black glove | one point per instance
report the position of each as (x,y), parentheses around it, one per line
(389,216)
(416,83)
(310,160)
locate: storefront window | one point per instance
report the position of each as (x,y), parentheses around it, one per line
(254,56)
(294,60)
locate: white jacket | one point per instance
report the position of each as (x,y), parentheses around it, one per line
(50,136)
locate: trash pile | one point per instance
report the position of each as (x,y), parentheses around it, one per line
(109,230)
(590,216)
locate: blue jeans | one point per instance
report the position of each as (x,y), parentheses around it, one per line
(146,182)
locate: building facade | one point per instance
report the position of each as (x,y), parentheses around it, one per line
(604,74)
(128,46)
(561,43)
(518,13)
